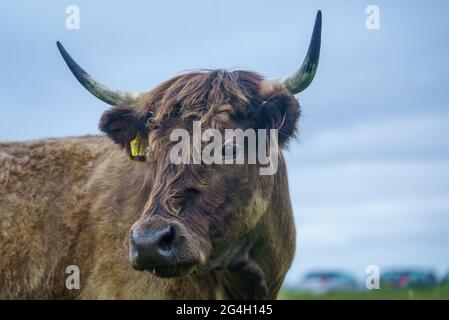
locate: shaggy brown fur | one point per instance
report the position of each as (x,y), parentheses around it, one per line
(72,201)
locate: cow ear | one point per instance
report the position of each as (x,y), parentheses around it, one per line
(125,128)
(281,111)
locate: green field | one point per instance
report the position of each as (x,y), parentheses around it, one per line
(407,294)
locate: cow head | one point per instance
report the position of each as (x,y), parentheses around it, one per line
(199,216)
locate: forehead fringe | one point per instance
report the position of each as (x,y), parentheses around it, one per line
(199,95)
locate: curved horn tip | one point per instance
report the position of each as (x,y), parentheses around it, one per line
(102,92)
(301,79)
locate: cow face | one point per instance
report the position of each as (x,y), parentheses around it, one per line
(200,216)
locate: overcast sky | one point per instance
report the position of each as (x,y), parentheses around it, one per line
(369,173)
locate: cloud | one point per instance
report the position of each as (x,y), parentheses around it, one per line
(412,136)
(374,192)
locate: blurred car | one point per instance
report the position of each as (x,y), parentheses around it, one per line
(408,279)
(323,282)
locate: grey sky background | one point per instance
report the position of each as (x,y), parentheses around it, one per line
(369,173)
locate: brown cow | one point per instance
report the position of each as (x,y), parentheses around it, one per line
(134,224)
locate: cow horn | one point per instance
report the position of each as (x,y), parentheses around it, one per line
(302,78)
(102,92)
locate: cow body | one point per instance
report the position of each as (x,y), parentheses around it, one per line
(72,201)
(140,214)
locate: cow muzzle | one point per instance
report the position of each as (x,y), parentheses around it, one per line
(165,250)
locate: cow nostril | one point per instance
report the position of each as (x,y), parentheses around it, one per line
(166,241)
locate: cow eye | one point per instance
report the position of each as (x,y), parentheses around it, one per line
(230,151)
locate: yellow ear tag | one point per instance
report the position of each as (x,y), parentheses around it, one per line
(138,147)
